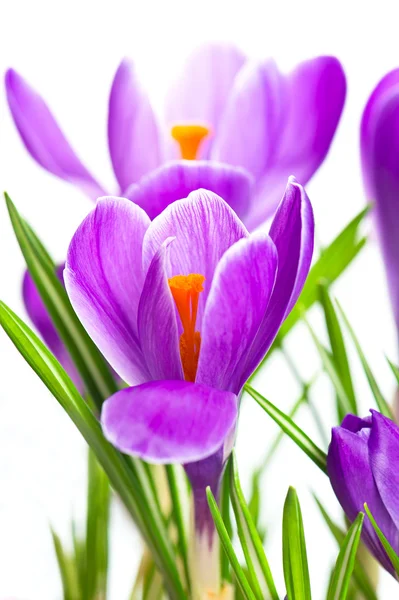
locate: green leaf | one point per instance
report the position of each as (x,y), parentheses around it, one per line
(382,404)
(255,557)
(225,512)
(338,349)
(67,567)
(341,577)
(393,557)
(124,475)
(291,429)
(359,574)
(295,562)
(241,578)
(394,369)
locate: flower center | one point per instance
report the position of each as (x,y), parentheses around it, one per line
(189,138)
(185,291)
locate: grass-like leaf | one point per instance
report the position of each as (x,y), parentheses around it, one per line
(393,557)
(240,576)
(295,562)
(342,573)
(68,571)
(291,429)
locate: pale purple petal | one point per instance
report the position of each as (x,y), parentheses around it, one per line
(41,319)
(169,421)
(204,227)
(133,135)
(157,326)
(236,306)
(43,137)
(176,180)
(104,280)
(253,119)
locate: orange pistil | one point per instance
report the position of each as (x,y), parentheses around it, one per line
(185,291)
(189,138)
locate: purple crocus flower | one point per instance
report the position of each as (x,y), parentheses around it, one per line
(362,466)
(184,308)
(380,165)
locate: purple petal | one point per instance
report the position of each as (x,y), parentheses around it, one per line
(292,232)
(380,147)
(248,132)
(41,319)
(157,325)
(43,138)
(169,421)
(201,92)
(133,135)
(204,227)
(315,98)
(236,306)
(352,480)
(384,458)
(104,280)
(176,180)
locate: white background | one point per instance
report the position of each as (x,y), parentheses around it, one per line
(69,51)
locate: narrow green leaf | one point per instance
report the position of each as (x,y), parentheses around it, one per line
(342,573)
(295,562)
(382,404)
(225,512)
(255,557)
(79,548)
(338,349)
(122,472)
(242,580)
(360,576)
(67,567)
(393,557)
(394,369)
(291,429)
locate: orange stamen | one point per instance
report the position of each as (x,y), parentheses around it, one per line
(185,291)
(189,138)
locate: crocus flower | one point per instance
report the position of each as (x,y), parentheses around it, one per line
(362,466)
(380,164)
(270,124)
(184,308)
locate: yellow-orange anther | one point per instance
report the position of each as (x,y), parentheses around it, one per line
(189,138)
(185,291)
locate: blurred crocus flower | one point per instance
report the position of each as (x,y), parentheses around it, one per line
(380,164)
(362,466)
(223,108)
(184,308)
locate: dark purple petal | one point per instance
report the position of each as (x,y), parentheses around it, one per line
(384,460)
(292,232)
(315,98)
(169,421)
(201,92)
(157,325)
(204,227)
(176,180)
(104,280)
(380,147)
(41,319)
(353,483)
(43,138)
(253,118)
(236,306)
(133,135)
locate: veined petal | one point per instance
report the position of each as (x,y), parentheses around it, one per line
(176,180)
(315,96)
(252,120)
(133,135)
(384,457)
(43,137)
(204,227)
(237,303)
(169,421)
(200,93)
(157,326)
(41,319)
(104,280)
(352,480)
